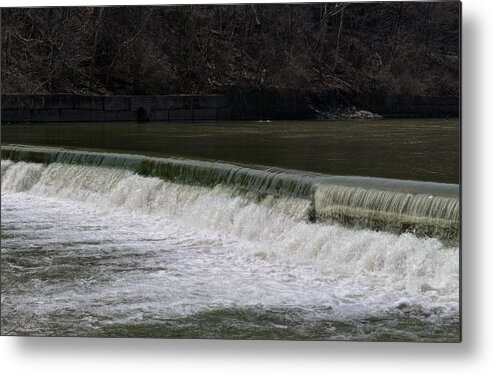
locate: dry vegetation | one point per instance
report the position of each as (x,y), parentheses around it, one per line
(347,48)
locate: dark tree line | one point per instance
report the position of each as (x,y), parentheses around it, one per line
(401,47)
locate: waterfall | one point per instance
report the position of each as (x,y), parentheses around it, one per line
(424,208)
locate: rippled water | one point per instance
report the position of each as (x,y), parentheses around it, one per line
(126,255)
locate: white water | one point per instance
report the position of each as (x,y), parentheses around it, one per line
(161,250)
(425,208)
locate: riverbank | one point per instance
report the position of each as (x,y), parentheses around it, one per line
(255,105)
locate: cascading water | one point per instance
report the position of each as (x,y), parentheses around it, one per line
(429,209)
(132,244)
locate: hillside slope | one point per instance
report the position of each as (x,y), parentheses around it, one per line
(342,48)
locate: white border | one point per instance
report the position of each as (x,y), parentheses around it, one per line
(474,355)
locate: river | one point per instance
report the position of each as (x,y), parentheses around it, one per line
(275,230)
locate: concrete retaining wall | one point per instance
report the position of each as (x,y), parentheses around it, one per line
(73,108)
(252,105)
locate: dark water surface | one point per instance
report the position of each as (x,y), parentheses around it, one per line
(413,149)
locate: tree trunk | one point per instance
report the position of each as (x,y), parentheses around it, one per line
(339,39)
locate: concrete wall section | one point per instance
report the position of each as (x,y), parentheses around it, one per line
(254,105)
(75,108)
(116,103)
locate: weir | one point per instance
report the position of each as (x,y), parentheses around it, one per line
(424,208)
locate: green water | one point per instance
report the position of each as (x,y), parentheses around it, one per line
(412,149)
